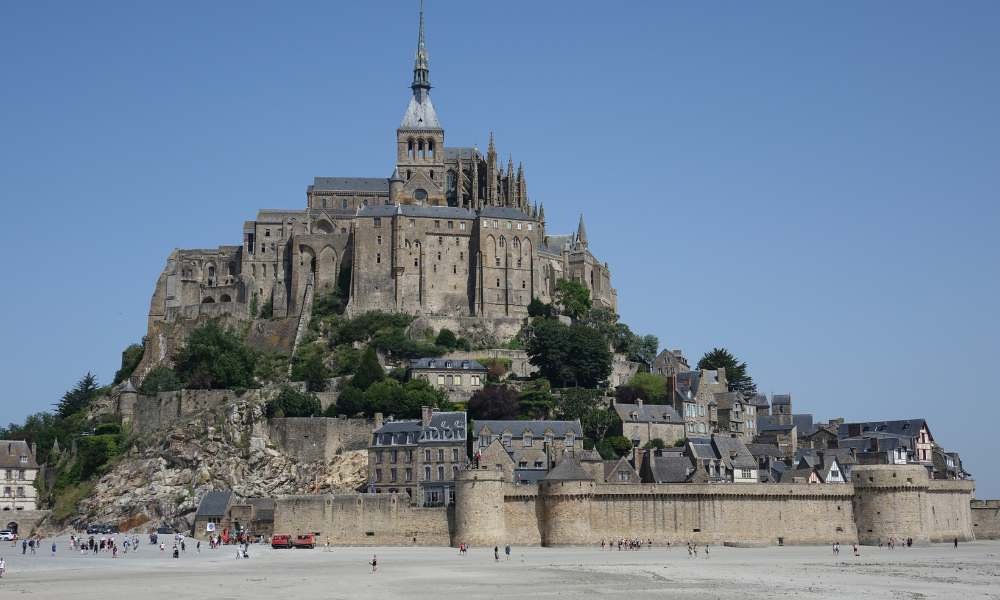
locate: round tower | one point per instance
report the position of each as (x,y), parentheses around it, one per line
(566,492)
(127,398)
(890,502)
(479,510)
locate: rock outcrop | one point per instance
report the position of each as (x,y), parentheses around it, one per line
(165,474)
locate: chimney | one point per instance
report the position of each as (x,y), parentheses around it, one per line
(425,416)
(378,420)
(638,402)
(34,452)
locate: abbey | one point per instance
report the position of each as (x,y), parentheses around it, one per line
(451,233)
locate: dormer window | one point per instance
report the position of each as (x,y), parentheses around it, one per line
(527,440)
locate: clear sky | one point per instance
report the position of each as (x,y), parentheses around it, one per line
(813,185)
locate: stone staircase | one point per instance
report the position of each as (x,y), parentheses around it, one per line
(305,315)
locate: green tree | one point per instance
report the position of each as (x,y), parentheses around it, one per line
(655,443)
(535,400)
(650,387)
(614,447)
(214,358)
(494,402)
(446,339)
(537,308)
(369,370)
(79,397)
(568,355)
(350,402)
(572,297)
(737,377)
(643,349)
(292,403)
(160,379)
(587,406)
(131,357)
(309,367)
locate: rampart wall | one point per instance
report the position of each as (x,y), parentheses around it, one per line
(986,519)
(319,439)
(168,408)
(363,520)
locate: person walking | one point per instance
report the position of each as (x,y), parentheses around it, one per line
(197,547)
(24,547)
(956,543)
(54,548)
(506,550)
(3,567)
(496,554)
(374,564)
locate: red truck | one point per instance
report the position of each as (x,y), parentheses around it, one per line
(281,540)
(306,540)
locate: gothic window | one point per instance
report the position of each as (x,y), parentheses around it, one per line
(416,262)
(420,149)
(498,282)
(454,269)
(409,153)
(409,174)
(430,152)
(343,203)
(432,175)
(502,242)
(378,259)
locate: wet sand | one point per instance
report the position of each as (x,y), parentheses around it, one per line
(938,571)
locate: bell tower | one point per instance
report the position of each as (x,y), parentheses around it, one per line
(420,138)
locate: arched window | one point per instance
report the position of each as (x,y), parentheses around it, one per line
(421,151)
(498,282)
(225,298)
(430,152)
(502,242)
(409,152)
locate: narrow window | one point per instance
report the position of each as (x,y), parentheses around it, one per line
(379,240)
(378,259)
(378,221)
(498,282)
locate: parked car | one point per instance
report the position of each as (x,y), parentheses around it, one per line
(165,530)
(7,536)
(95,529)
(109,529)
(306,540)
(280,540)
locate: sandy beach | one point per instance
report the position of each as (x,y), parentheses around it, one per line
(938,571)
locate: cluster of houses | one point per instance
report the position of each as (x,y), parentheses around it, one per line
(704,434)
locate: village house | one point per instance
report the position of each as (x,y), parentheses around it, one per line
(642,423)
(458,379)
(526,450)
(915,431)
(418,458)
(223,513)
(692,394)
(19,470)
(736,416)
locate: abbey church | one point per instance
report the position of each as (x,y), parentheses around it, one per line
(450,234)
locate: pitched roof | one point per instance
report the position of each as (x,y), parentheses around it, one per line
(420,115)
(647,413)
(613,466)
(459,152)
(734,452)
(214,504)
(758,450)
(11,453)
(781,399)
(537,428)
(450,426)
(351,184)
(905,427)
(671,469)
(504,212)
(725,400)
(568,470)
(446,363)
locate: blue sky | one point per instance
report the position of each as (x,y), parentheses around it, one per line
(812,185)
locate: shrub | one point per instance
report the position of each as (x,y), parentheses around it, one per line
(160,379)
(494,402)
(614,447)
(308,366)
(131,357)
(293,403)
(446,339)
(369,370)
(215,358)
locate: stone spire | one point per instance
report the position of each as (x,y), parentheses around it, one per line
(491,173)
(522,186)
(511,190)
(541,212)
(421,65)
(581,233)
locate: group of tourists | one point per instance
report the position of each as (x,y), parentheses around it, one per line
(31,545)
(626,544)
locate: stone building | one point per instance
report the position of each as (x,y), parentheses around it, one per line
(459,379)
(223,513)
(533,447)
(418,459)
(692,394)
(643,423)
(450,235)
(722,458)
(915,432)
(19,470)
(737,417)
(669,363)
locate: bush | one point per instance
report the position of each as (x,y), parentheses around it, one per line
(160,379)
(614,447)
(369,370)
(131,357)
(271,367)
(569,355)
(95,450)
(446,339)
(535,400)
(293,403)
(537,308)
(655,443)
(494,403)
(267,310)
(308,366)
(214,358)
(650,387)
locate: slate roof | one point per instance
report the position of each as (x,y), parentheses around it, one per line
(791,474)
(758,450)
(781,399)
(529,475)
(214,504)
(648,413)
(734,452)
(725,400)
(904,427)
(769,424)
(446,363)
(568,470)
(504,212)
(760,401)
(461,152)
(444,427)
(11,452)
(611,467)
(351,184)
(537,428)
(671,469)
(420,115)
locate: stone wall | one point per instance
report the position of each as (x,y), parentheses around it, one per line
(27,520)
(519,363)
(168,408)
(363,520)
(319,439)
(986,519)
